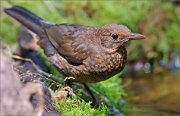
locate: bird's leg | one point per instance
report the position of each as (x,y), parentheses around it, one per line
(95,102)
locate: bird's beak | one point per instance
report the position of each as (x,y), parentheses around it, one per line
(136,36)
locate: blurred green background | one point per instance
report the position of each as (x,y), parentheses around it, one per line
(158,20)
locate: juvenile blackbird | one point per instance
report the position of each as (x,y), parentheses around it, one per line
(85,53)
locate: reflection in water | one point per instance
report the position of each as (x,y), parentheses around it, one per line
(155,94)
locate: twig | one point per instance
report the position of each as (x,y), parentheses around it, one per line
(47,75)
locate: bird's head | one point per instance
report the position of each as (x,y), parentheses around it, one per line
(113,36)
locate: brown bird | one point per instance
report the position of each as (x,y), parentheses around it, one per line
(89,54)
(84,53)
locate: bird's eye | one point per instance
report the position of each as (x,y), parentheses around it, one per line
(114,36)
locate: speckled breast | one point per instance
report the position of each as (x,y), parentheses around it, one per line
(102,67)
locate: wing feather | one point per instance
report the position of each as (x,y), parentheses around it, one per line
(68,40)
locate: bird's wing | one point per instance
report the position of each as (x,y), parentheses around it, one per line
(69,42)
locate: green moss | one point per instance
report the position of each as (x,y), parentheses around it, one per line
(77,107)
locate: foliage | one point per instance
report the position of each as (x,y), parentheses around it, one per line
(161,28)
(77,107)
(80,12)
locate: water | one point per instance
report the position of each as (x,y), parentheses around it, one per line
(156,94)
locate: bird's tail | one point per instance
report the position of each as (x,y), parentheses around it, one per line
(27,18)
(33,23)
